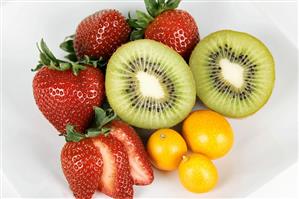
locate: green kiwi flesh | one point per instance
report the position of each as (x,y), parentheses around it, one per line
(149,85)
(234,73)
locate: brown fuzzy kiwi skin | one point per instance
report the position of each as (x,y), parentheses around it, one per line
(273,80)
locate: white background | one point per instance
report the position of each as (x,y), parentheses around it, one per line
(279,19)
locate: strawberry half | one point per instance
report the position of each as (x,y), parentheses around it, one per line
(140,166)
(100,34)
(116,180)
(66,92)
(82,166)
(175,28)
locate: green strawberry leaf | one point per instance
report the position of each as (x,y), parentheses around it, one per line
(93,132)
(67,46)
(54,66)
(99,63)
(139,24)
(77,67)
(72,57)
(105,131)
(38,66)
(141,16)
(72,135)
(100,114)
(161,2)
(172,4)
(44,59)
(46,51)
(65,66)
(151,7)
(47,59)
(137,34)
(103,117)
(133,23)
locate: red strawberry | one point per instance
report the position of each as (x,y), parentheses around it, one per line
(116,180)
(66,97)
(82,166)
(140,166)
(112,141)
(100,34)
(175,28)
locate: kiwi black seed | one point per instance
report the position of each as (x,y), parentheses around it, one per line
(149,85)
(234,73)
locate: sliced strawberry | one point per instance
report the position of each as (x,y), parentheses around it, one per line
(82,166)
(140,166)
(116,180)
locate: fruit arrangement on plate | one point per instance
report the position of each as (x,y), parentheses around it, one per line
(146,71)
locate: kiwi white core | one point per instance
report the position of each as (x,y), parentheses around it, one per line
(232,72)
(149,85)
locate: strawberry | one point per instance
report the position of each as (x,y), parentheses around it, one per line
(140,166)
(175,28)
(116,180)
(100,34)
(82,165)
(64,94)
(163,23)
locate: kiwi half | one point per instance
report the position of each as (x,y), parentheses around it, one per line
(149,85)
(234,73)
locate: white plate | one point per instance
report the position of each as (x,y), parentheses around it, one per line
(265,143)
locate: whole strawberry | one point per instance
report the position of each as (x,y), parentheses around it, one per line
(100,34)
(175,28)
(66,92)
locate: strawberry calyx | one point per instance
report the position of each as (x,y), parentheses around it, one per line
(68,46)
(48,59)
(142,20)
(155,8)
(102,117)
